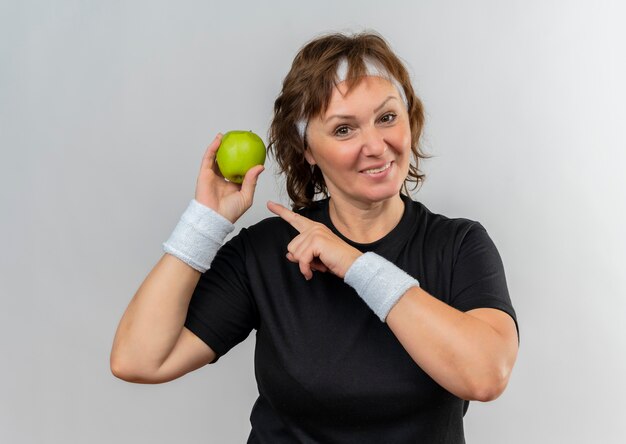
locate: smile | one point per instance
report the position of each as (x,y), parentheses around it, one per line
(378,170)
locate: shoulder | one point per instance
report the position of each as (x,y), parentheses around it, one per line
(274,225)
(450,239)
(440,229)
(459,239)
(270,231)
(266,226)
(261,233)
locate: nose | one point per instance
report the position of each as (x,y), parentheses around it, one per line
(374,144)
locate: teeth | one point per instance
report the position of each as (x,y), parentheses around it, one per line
(378,170)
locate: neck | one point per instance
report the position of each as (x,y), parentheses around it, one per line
(366,223)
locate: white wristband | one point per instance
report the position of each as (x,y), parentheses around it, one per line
(198,235)
(378,282)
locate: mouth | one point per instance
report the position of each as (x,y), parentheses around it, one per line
(377,170)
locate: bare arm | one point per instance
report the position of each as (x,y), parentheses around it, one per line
(151,344)
(152,327)
(470,354)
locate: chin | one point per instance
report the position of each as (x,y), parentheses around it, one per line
(381,194)
(381,191)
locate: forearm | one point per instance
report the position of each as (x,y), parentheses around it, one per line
(462,353)
(155,316)
(148,340)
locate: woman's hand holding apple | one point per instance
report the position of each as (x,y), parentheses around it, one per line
(229,199)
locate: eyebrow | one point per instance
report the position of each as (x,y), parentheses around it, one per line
(347,116)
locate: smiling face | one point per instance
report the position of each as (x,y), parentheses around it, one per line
(362,143)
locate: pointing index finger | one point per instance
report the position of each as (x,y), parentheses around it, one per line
(294,219)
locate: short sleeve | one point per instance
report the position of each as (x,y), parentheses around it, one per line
(222,312)
(478,278)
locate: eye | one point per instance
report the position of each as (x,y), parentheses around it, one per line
(342,131)
(388,118)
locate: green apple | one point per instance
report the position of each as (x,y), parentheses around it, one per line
(238,152)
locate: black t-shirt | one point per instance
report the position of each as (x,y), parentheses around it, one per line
(327,369)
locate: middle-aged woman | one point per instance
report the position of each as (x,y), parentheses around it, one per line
(376,320)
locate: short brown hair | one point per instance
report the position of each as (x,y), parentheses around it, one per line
(306,93)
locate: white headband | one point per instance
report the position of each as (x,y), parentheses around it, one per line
(372,69)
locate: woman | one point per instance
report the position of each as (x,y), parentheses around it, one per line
(376,320)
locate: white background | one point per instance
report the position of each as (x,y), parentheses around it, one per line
(107,107)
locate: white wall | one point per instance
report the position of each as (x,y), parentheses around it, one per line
(106,109)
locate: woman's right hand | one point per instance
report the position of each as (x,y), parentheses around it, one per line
(229,199)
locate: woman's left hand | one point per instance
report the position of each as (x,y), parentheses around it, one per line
(316,248)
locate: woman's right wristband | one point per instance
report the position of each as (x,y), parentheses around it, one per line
(198,235)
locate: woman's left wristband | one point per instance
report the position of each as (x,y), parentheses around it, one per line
(378,282)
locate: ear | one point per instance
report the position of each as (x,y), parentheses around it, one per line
(309,157)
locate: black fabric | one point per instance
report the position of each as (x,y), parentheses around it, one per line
(327,369)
